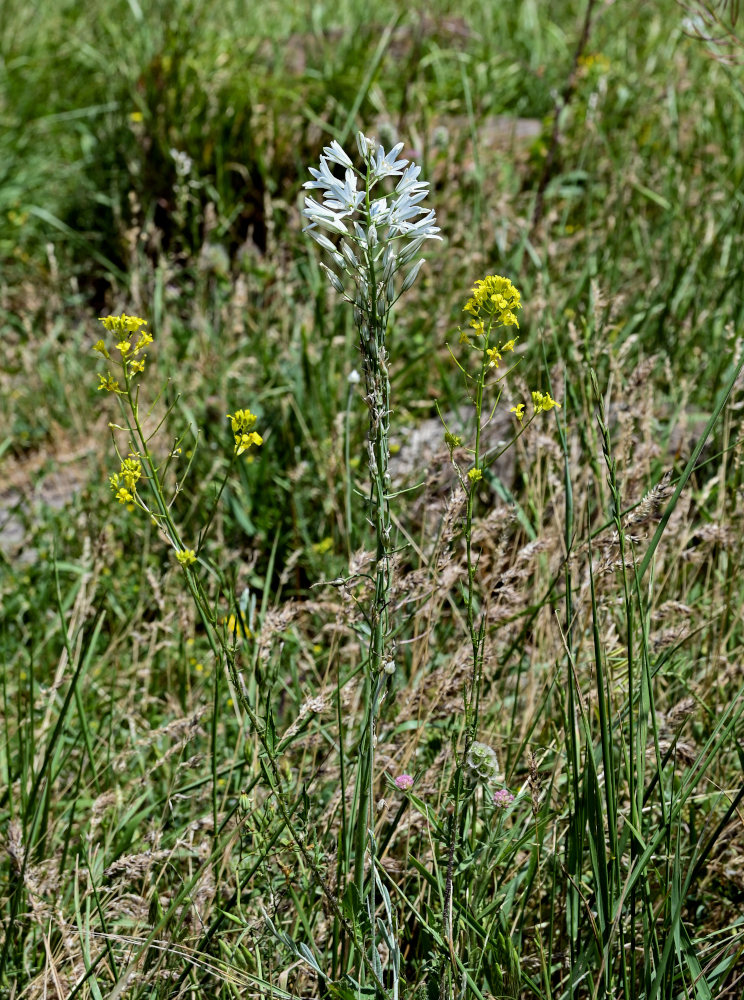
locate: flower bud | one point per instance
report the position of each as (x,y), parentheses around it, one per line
(412,275)
(333,278)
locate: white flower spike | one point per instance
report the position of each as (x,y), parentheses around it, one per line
(382,234)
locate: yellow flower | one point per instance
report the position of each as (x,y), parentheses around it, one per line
(237,627)
(136,366)
(186,557)
(124,346)
(475,475)
(509,345)
(242,420)
(123,495)
(242,423)
(543,402)
(494,357)
(109,383)
(135,116)
(324,545)
(464,339)
(101,348)
(144,340)
(518,411)
(244,441)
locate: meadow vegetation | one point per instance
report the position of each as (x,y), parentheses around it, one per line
(339,660)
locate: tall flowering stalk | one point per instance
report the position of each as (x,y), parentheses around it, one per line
(492,307)
(379,233)
(140,484)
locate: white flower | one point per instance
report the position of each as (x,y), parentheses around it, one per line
(336,154)
(182,161)
(322,216)
(409,182)
(386,164)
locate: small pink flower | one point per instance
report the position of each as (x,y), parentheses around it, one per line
(502,798)
(404,782)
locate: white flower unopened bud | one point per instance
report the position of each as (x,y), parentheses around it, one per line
(349,254)
(412,275)
(388,262)
(365,145)
(322,241)
(333,278)
(389,667)
(354,378)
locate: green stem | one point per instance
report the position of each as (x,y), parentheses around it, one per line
(224,657)
(477,638)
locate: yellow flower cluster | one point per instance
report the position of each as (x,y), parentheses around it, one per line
(243,422)
(496,299)
(186,557)
(123,327)
(124,482)
(494,303)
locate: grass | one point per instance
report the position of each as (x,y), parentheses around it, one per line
(180,794)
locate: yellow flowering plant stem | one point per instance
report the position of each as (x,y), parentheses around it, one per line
(476,631)
(221,647)
(493,306)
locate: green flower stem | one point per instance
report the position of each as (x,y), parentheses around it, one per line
(476,631)
(374,230)
(378,400)
(477,634)
(377,385)
(347,471)
(225,657)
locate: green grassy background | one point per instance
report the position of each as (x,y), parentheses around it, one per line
(120,745)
